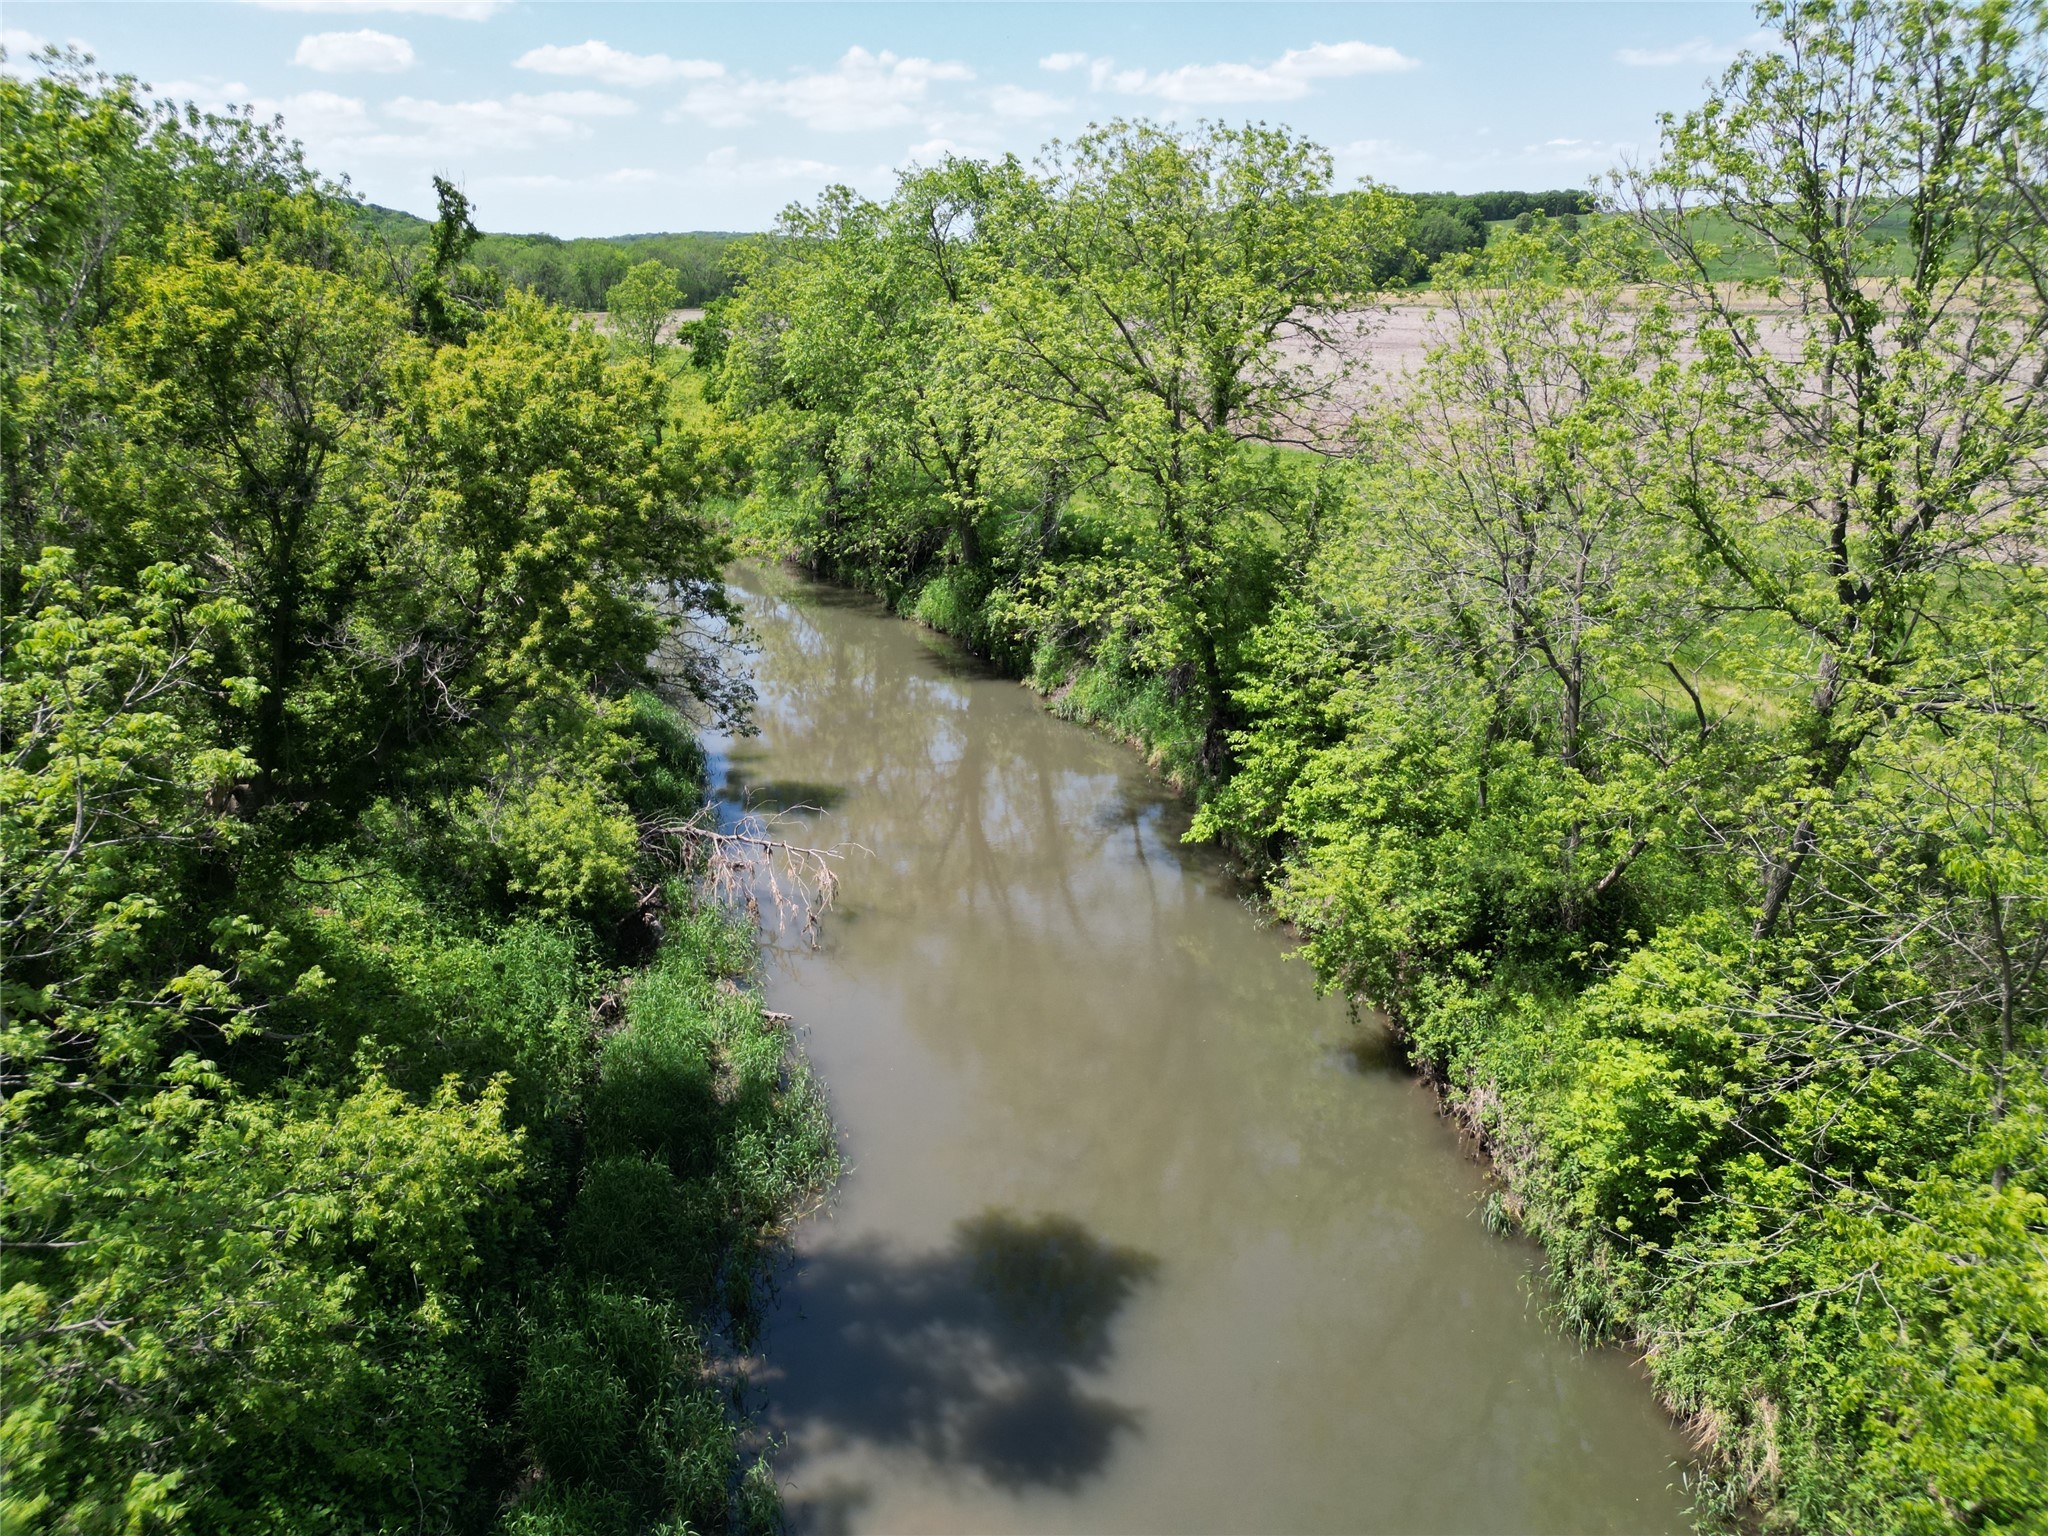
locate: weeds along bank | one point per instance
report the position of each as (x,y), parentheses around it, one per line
(1649,717)
(387,1122)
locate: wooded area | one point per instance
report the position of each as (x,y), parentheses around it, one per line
(388,1121)
(573,273)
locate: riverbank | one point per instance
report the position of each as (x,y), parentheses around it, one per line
(1531,1074)
(389,1120)
(665,1136)
(1649,726)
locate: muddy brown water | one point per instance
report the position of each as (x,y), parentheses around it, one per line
(1137,1233)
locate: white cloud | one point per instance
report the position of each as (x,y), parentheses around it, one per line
(577,104)
(1566,151)
(1016,102)
(1332,61)
(725,166)
(1193,84)
(209,95)
(1698,51)
(932,151)
(364,52)
(1288,78)
(514,124)
(614,66)
(451,10)
(863,90)
(22,48)
(345,131)
(322,115)
(319,112)
(336,129)
(630,176)
(1063,61)
(1382,156)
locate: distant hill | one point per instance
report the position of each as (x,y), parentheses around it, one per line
(577,272)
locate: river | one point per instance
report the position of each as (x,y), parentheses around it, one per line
(1137,1233)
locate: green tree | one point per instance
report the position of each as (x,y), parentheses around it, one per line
(236,417)
(1161,292)
(1884,426)
(641,302)
(1509,553)
(861,361)
(803,360)
(1738,585)
(100,176)
(340,759)
(449,295)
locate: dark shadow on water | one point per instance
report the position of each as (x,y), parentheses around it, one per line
(814,593)
(827,1511)
(738,787)
(1052,1282)
(951,659)
(972,1355)
(1373,1051)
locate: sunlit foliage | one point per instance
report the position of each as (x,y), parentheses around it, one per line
(385,1119)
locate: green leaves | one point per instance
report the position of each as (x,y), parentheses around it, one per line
(932,382)
(851,355)
(1658,738)
(104,790)
(245,1254)
(329,715)
(1162,298)
(641,302)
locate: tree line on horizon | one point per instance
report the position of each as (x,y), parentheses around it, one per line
(575,273)
(581,273)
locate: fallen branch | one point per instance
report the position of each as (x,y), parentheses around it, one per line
(746,862)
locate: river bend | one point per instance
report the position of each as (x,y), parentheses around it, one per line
(1137,1233)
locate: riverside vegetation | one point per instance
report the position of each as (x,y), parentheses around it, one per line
(1643,703)
(389,1123)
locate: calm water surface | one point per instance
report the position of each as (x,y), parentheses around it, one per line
(1137,1233)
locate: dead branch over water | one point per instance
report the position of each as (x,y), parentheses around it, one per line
(749,868)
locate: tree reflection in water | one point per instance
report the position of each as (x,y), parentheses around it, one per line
(972,1356)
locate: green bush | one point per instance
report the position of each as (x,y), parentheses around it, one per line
(654,1095)
(328,1208)
(666,776)
(566,845)
(951,602)
(558,1509)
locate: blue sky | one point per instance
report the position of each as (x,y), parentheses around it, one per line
(607,118)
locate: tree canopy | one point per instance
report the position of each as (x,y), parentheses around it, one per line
(573,273)
(1641,701)
(372,1070)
